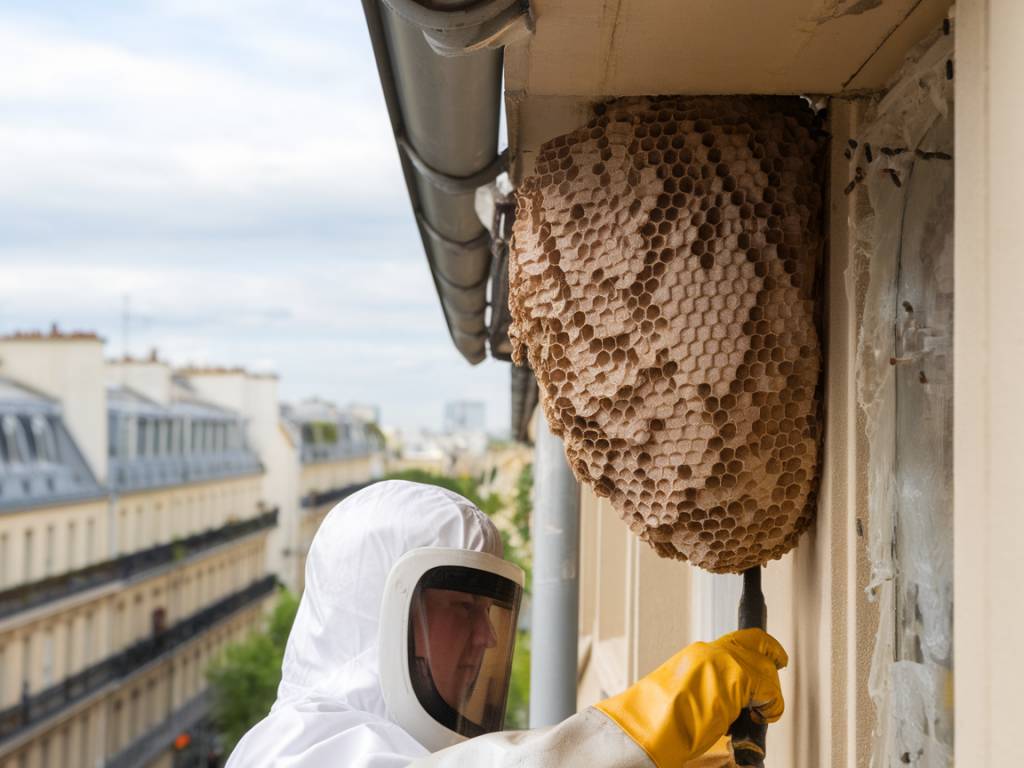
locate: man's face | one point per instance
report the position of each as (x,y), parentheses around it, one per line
(453,630)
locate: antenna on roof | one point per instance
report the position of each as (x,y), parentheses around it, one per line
(126,320)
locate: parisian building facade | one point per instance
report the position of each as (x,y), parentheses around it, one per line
(147,518)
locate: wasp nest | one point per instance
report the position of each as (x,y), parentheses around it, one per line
(662,287)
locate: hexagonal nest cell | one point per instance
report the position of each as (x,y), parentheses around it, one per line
(662,287)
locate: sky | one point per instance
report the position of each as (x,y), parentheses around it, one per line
(226,172)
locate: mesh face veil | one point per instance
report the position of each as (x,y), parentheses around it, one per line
(447,633)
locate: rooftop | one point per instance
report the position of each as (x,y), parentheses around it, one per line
(54,334)
(39,461)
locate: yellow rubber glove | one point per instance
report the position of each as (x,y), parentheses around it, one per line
(683,707)
(720,755)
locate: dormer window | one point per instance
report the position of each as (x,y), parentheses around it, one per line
(142,443)
(30,438)
(17,442)
(45,442)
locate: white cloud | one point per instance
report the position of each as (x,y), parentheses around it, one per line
(116,127)
(230,167)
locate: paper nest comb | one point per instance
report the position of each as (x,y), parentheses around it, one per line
(662,284)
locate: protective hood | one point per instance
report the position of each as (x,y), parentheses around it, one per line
(330,707)
(448,627)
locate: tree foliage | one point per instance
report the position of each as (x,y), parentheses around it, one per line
(243,682)
(464,486)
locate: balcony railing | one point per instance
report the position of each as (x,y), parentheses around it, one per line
(311,453)
(315,499)
(160,738)
(161,471)
(53,700)
(38,593)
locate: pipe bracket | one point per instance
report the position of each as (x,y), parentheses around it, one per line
(453,185)
(487,24)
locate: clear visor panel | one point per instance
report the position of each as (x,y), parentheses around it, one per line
(462,632)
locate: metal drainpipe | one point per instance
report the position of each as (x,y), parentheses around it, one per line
(555,607)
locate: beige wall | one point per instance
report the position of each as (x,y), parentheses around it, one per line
(989,410)
(70,370)
(621,48)
(329,475)
(281,489)
(46,541)
(150,378)
(45,644)
(584,52)
(68,537)
(437,465)
(637,609)
(148,518)
(634,606)
(60,638)
(110,721)
(256,396)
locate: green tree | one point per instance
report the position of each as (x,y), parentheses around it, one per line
(374,431)
(243,682)
(464,486)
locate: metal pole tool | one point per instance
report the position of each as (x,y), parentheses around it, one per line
(748,732)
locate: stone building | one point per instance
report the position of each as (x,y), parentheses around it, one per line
(147,516)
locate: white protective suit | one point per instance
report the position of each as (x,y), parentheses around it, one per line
(330,711)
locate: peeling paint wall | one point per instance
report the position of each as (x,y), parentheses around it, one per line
(903,162)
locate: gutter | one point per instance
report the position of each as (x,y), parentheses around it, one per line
(441,70)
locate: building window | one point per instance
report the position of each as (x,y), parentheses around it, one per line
(26,663)
(47,659)
(133,714)
(87,645)
(69,647)
(114,729)
(125,425)
(143,433)
(72,532)
(90,541)
(150,719)
(26,431)
(65,746)
(119,628)
(28,565)
(113,436)
(85,747)
(156,530)
(153,438)
(139,617)
(50,552)
(122,534)
(5,558)
(46,444)
(17,444)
